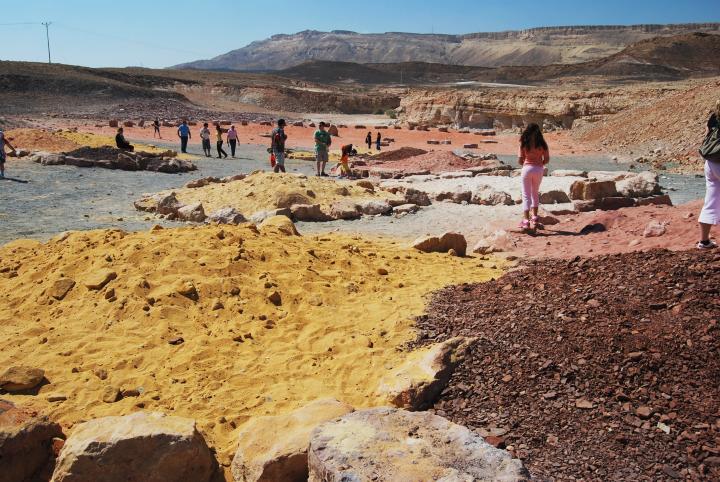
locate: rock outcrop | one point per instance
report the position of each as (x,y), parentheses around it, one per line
(151,447)
(26,441)
(442,244)
(111,158)
(21,378)
(274,448)
(396,445)
(417,383)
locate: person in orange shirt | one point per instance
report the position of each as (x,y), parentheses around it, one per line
(534,155)
(346,151)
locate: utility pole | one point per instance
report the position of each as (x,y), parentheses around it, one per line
(47,36)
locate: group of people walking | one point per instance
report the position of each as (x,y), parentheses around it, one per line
(231,135)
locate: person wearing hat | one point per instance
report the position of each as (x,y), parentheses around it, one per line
(322,147)
(277,146)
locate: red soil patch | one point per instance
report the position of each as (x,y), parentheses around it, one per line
(41,140)
(602,368)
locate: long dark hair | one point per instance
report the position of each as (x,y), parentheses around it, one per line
(532,138)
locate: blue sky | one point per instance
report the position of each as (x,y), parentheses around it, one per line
(159,33)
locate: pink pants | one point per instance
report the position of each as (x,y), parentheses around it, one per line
(531,179)
(710,213)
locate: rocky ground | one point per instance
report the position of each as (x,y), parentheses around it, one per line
(600,368)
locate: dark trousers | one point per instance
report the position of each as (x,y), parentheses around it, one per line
(220,150)
(183,143)
(233,143)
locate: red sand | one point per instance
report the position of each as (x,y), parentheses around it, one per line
(302,137)
(624,233)
(437,161)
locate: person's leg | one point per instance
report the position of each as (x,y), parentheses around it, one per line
(535,181)
(2,168)
(317,164)
(223,150)
(710,213)
(233,143)
(183,143)
(526,189)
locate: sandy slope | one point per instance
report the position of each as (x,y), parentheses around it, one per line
(334,334)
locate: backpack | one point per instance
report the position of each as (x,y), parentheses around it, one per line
(710,148)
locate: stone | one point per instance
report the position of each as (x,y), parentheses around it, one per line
(374,207)
(333,131)
(192,212)
(643,184)
(21,378)
(275,298)
(497,242)
(588,190)
(365,184)
(167,204)
(488,196)
(26,443)
(470,146)
(286,199)
(128,124)
(406,209)
(99,279)
(261,216)
(458,197)
(554,197)
(548,220)
(454,241)
(390,444)
(660,200)
(275,447)
(226,215)
(417,382)
(51,159)
(147,446)
(114,123)
(427,244)
(414,196)
(615,202)
(344,210)
(202,182)
(60,288)
(644,412)
(308,212)
(569,173)
(110,394)
(654,229)
(279,224)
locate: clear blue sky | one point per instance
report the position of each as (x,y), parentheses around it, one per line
(159,33)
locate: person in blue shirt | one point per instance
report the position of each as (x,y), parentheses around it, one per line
(184,135)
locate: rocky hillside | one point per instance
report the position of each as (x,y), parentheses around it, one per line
(540,46)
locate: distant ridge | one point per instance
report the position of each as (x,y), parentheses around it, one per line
(535,46)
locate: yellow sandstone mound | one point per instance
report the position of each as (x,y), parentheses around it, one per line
(219,324)
(263,191)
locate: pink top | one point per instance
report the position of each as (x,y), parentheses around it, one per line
(534,157)
(232,134)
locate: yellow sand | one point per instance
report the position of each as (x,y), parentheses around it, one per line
(335,334)
(265,191)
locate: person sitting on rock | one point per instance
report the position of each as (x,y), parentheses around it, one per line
(121,142)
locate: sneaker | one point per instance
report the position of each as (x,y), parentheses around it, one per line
(524,224)
(710,244)
(324,175)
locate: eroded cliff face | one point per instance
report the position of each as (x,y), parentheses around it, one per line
(508,109)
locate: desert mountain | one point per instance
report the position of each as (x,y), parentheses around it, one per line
(539,46)
(660,58)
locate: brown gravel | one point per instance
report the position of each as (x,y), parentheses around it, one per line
(582,366)
(398,154)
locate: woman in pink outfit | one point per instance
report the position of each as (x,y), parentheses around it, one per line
(710,214)
(533,157)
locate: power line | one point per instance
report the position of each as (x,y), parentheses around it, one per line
(18,23)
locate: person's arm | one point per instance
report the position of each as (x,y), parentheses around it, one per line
(521,156)
(546,157)
(178,132)
(7,143)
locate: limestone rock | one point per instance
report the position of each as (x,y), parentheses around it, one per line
(167,204)
(614,202)
(365,184)
(488,196)
(20,378)
(26,440)
(192,212)
(413,196)
(99,278)
(60,288)
(497,242)
(417,383)
(280,224)
(275,447)
(555,196)
(344,210)
(285,199)
(147,446)
(589,190)
(374,207)
(569,173)
(427,244)
(455,241)
(333,131)
(202,182)
(406,209)
(654,229)
(308,212)
(644,184)
(458,197)
(261,216)
(388,444)
(662,199)
(227,215)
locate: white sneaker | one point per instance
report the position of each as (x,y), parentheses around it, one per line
(709,245)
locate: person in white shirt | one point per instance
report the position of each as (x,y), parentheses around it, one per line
(3,142)
(205,137)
